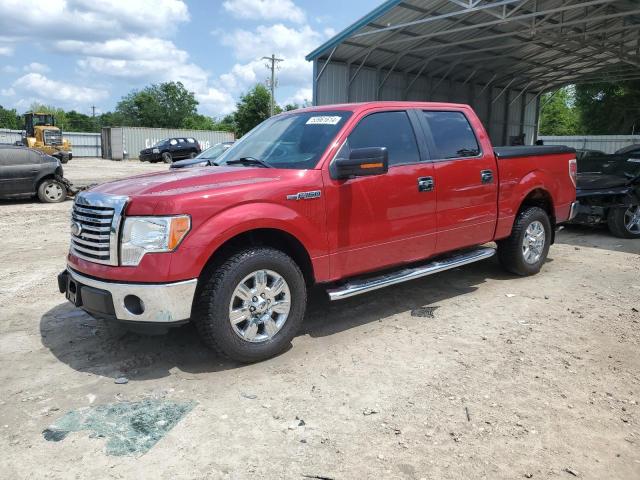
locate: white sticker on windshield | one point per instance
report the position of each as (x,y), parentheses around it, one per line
(324,120)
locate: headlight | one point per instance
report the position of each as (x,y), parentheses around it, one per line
(156,150)
(142,235)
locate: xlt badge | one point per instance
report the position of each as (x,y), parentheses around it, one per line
(304,195)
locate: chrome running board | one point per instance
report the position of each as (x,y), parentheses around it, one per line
(358,286)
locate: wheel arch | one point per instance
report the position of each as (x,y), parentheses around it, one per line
(276,238)
(539,197)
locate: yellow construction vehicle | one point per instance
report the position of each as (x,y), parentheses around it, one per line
(42,134)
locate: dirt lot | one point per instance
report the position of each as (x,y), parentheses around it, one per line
(512,377)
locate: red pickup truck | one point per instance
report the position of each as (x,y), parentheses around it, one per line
(354,197)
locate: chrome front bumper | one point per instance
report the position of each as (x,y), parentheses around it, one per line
(153,303)
(573,211)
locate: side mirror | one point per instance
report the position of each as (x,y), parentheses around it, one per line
(362,162)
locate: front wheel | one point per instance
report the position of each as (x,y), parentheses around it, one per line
(526,249)
(250,308)
(193,155)
(166,157)
(624,222)
(52,191)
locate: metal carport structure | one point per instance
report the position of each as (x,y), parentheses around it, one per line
(497,55)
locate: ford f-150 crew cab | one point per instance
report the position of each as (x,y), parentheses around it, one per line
(353,197)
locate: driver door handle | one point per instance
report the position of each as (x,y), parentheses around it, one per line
(486,176)
(425,184)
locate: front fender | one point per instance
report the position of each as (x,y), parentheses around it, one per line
(208,237)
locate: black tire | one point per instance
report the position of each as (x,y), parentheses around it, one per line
(166,157)
(616,223)
(214,296)
(510,250)
(51,190)
(193,155)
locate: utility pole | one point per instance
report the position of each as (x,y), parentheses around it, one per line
(93,111)
(272,64)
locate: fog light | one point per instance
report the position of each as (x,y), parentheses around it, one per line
(134,304)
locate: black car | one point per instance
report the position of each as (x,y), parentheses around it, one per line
(206,158)
(171,149)
(583,155)
(25,172)
(630,150)
(609,192)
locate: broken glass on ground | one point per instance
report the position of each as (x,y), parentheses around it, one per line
(131,428)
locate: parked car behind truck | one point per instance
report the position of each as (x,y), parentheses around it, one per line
(609,192)
(330,195)
(25,172)
(171,149)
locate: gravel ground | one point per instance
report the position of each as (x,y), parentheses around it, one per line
(472,373)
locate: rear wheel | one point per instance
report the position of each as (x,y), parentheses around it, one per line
(526,249)
(193,155)
(52,191)
(251,306)
(166,157)
(624,222)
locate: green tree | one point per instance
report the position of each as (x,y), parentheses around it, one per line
(609,108)
(227,124)
(79,122)
(166,105)
(10,119)
(558,115)
(252,109)
(199,122)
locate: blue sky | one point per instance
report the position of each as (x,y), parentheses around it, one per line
(78,53)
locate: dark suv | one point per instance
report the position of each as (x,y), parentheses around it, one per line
(171,149)
(25,172)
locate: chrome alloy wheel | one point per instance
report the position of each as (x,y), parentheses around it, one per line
(533,242)
(259,306)
(632,219)
(53,191)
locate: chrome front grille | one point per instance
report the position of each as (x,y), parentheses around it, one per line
(95,223)
(52,137)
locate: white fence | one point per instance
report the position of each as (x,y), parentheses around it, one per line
(82,144)
(604,143)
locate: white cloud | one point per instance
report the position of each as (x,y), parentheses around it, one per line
(277,38)
(9,69)
(36,67)
(128,48)
(47,90)
(265,10)
(88,19)
(216,101)
(302,97)
(6,51)
(288,43)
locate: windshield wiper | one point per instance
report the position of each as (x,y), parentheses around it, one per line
(248,161)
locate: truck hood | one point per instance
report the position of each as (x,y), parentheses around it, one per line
(190,180)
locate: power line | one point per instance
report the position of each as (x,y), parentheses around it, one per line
(273,63)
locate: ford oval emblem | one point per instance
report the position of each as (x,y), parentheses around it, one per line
(76,229)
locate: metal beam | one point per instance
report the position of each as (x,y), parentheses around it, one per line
(439,17)
(520,17)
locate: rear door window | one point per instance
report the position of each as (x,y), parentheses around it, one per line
(392,130)
(452,135)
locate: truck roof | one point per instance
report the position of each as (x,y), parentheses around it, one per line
(355,107)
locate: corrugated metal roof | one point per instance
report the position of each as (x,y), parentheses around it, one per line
(527,44)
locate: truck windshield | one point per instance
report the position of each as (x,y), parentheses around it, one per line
(293,140)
